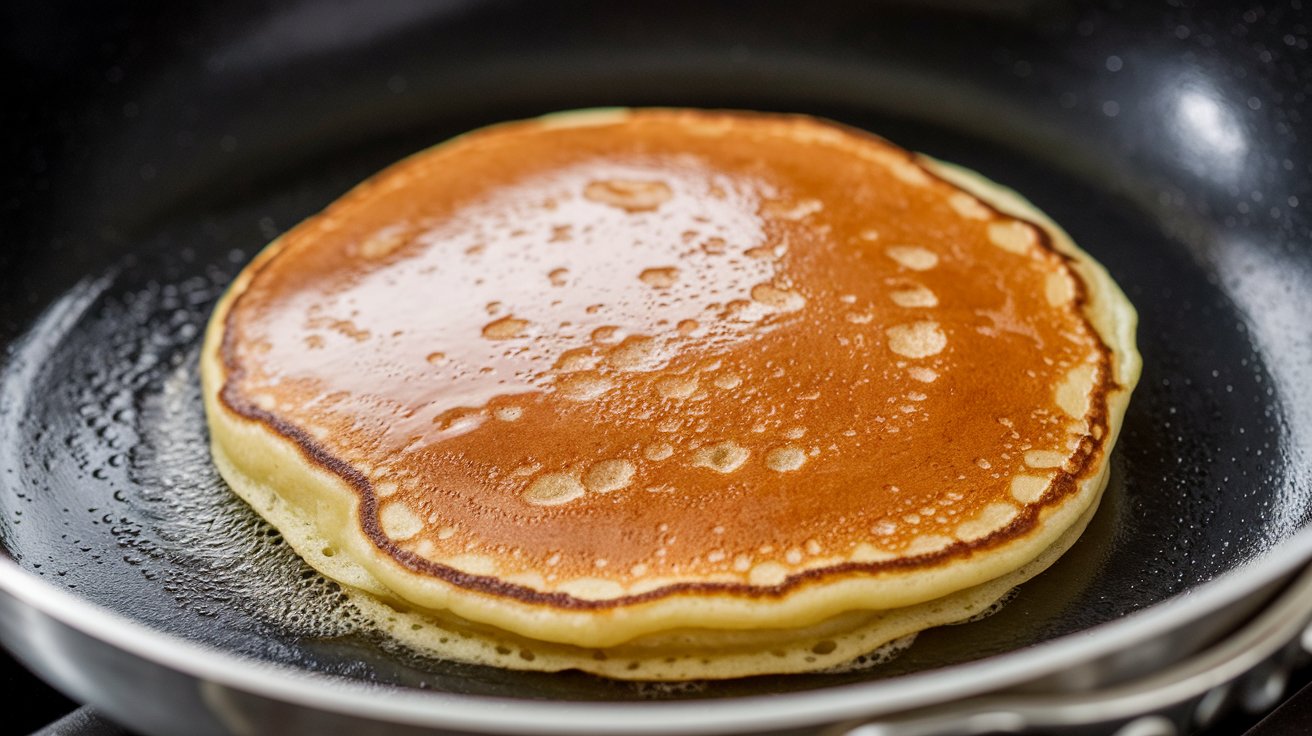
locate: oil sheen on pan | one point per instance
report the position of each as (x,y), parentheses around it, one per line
(671,394)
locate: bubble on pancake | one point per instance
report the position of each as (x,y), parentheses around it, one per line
(784,300)
(765,252)
(558,276)
(723,457)
(712,246)
(344,327)
(435,358)
(687,326)
(459,419)
(525,470)
(660,278)
(508,413)
(767,574)
(577,359)
(991,518)
(1044,459)
(639,353)
(583,385)
(791,210)
(560,233)
(630,195)
(474,564)
(1013,236)
(658,451)
(859,318)
(506,328)
(913,297)
(677,387)
(785,459)
(553,489)
(969,207)
(384,242)
(1072,394)
(609,475)
(607,334)
(399,522)
(922,374)
(727,381)
(913,257)
(716,555)
(917,339)
(1029,488)
(1058,289)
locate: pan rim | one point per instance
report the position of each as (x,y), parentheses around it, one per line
(343,696)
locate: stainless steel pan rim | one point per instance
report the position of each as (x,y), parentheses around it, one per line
(502,715)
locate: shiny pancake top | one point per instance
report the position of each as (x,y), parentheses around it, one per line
(673,351)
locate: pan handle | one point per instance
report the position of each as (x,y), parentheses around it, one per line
(1250,668)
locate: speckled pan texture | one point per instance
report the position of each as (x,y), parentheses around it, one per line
(665,394)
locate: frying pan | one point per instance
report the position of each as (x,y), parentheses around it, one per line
(153,150)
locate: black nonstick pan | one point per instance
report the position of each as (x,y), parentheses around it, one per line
(154,149)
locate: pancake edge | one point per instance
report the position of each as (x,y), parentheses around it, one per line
(341,501)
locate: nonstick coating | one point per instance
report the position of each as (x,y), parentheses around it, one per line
(175,146)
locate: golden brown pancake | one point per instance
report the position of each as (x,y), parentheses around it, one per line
(654,381)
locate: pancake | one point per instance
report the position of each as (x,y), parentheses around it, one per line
(671,394)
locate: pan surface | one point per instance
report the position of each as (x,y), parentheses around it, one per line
(1174,161)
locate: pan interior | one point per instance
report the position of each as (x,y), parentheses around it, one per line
(110,490)
(106,486)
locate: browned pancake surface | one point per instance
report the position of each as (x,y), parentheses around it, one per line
(680,348)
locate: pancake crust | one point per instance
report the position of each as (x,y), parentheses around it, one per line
(604,376)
